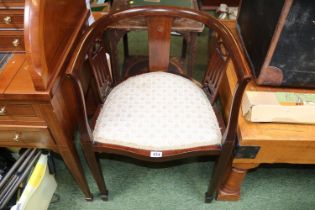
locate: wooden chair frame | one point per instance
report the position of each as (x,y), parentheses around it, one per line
(92,46)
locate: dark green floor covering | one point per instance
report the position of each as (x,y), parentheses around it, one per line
(182,187)
(134,186)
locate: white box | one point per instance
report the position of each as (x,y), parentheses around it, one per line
(285,107)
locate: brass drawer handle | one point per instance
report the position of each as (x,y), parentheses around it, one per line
(7,20)
(17,136)
(16,43)
(3,111)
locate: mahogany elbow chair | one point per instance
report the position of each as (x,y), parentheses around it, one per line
(157,116)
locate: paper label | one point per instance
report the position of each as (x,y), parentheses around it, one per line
(156,154)
(291,98)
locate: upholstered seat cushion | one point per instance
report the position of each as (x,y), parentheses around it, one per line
(157,111)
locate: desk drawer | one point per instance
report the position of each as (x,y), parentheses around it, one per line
(11,4)
(23,136)
(11,18)
(11,41)
(19,112)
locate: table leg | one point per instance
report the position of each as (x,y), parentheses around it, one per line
(192,48)
(126,48)
(72,161)
(67,150)
(231,189)
(184,48)
(113,37)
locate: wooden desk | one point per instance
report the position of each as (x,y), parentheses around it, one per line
(187,28)
(29,118)
(35,109)
(277,142)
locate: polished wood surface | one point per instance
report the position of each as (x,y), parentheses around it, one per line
(231,189)
(34,109)
(278,142)
(11,26)
(19,111)
(159,33)
(50,30)
(11,4)
(12,41)
(46,122)
(13,136)
(161,19)
(11,18)
(8,72)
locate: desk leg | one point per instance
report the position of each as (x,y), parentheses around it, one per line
(126,47)
(67,150)
(72,161)
(231,189)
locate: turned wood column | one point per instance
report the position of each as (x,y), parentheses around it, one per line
(230,190)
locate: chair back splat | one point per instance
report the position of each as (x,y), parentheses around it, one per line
(159,35)
(157,115)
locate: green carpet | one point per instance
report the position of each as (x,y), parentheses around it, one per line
(134,185)
(181,185)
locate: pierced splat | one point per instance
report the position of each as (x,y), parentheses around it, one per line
(100,68)
(216,68)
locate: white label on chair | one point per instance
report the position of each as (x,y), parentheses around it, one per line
(156,154)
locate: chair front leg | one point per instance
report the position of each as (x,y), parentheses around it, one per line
(95,167)
(222,165)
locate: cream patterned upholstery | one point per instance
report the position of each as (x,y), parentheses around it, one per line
(157,111)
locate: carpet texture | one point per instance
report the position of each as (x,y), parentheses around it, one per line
(181,185)
(134,185)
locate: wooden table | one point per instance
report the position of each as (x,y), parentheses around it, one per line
(187,28)
(273,142)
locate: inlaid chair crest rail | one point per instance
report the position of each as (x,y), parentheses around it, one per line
(108,133)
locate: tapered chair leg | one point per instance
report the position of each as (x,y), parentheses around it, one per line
(220,169)
(95,167)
